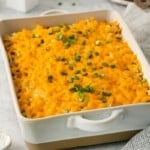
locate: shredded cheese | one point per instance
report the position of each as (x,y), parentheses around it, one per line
(68,68)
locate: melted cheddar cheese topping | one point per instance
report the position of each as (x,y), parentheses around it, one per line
(68,68)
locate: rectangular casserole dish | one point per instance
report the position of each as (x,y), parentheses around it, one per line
(86,127)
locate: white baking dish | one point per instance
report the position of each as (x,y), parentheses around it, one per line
(93,124)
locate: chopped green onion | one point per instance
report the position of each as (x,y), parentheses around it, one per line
(58,58)
(84,73)
(73,78)
(88,89)
(103,99)
(143,80)
(96,53)
(72,89)
(75,88)
(72,37)
(70,40)
(63,59)
(105,64)
(63,73)
(82,90)
(113,66)
(89,55)
(94,68)
(66,62)
(79,32)
(106,93)
(77,57)
(50,78)
(84,69)
(97,42)
(71,65)
(76,77)
(35,35)
(81,95)
(96,75)
(101,75)
(89,63)
(42,41)
(67,44)
(77,72)
(83,42)
(59,36)
(85,34)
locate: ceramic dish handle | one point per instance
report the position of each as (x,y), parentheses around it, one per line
(81,123)
(53,12)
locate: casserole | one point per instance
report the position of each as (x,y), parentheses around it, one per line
(72,127)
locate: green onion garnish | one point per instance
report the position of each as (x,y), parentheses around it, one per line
(63,73)
(83,42)
(101,75)
(105,64)
(104,100)
(71,65)
(50,78)
(88,89)
(35,35)
(97,42)
(106,93)
(84,73)
(81,95)
(89,63)
(59,36)
(77,57)
(77,72)
(96,53)
(89,55)
(113,66)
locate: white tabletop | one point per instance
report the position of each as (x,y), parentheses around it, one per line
(8,120)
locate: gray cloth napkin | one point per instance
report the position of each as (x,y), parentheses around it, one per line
(140,141)
(138,21)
